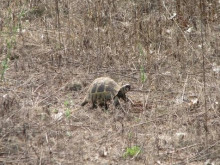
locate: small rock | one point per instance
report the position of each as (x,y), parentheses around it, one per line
(208,162)
(103,152)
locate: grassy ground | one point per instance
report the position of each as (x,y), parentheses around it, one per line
(50,51)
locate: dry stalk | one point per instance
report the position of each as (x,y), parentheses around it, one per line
(203,25)
(58,19)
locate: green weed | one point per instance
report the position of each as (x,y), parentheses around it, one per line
(68,133)
(66,103)
(132,151)
(143,75)
(55,111)
(4,67)
(10,38)
(67,113)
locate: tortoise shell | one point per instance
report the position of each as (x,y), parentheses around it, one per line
(104,89)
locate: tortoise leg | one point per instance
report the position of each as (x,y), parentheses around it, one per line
(125,99)
(106,106)
(116,102)
(84,103)
(94,106)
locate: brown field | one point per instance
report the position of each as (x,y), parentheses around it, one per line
(50,52)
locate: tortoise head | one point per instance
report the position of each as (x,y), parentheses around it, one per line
(123,90)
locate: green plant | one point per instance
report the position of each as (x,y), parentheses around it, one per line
(43,116)
(4,67)
(10,39)
(143,74)
(67,112)
(130,135)
(137,119)
(9,45)
(66,103)
(55,111)
(132,151)
(68,133)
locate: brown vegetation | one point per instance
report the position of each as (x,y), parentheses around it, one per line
(51,50)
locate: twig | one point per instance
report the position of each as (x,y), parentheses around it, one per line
(184,87)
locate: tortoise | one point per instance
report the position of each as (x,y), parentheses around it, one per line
(105,89)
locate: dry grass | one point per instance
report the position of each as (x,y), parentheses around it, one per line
(156,46)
